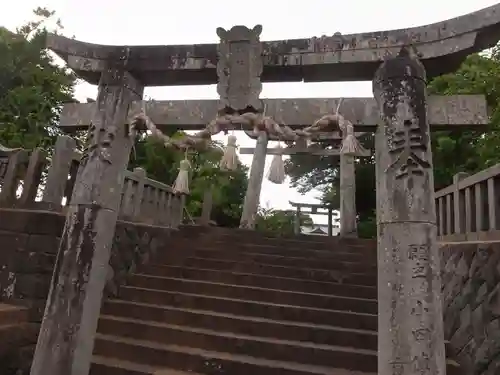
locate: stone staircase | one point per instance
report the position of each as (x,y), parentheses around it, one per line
(17,339)
(238,303)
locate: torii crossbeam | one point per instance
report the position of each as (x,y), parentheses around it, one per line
(354,57)
(461,111)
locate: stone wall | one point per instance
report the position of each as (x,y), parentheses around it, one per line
(471,302)
(28,246)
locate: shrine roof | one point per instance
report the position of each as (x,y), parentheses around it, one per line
(354,57)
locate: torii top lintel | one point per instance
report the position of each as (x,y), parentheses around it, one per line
(355,57)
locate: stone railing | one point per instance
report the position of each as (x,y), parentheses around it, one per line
(469,209)
(143,200)
(149,201)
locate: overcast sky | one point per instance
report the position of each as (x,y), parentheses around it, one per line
(195,21)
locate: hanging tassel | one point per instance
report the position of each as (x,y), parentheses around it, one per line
(229,160)
(181,185)
(276,173)
(350,144)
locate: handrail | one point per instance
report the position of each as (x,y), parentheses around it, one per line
(469,209)
(143,199)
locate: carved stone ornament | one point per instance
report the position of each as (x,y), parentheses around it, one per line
(239,68)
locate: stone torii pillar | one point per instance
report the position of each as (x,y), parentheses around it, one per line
(348,213)
(410,326)
(66,339)
(251,203)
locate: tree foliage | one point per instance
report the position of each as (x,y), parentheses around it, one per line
(279,221)
(32,87)
(228,188)
(468,151)
(453,151)
(323,173)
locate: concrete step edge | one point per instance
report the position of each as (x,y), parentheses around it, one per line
(239,317)
(126,287)
(236,286)
(229,335)
(318,370)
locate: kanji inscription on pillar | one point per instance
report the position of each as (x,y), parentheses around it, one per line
(239,68)
(407,142)
(419,257)
(100,141)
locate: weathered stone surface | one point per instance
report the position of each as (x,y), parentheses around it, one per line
(59,170)
(443,46)
(27,260)
(134,244)
(24,221)
(348,216)
(68,328)
(442,112)
(239,66)
(410,320)
(471,304)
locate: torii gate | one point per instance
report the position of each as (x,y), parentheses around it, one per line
(397,61)
(348,219)
(313,210)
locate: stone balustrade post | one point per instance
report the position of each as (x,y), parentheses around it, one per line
(182,207)
(206,209)
(32,177)
(66,338)
(296,222)
(59,170)
(140,174)
(410,329)
(458,204)
(330,222)
(251,203)
(10,181)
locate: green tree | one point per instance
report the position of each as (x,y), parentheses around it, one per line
(228,187)
(322,172)
(468,151)
(32,87)
(281,222)
(453,150)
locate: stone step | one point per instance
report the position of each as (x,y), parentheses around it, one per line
(262,281)
(339,262)
(198,360)
(17,335)
(11,314)
(113,366)
(251,308)
(113,363)
(333,245)
(270,270)
(250,236)
(252,293)
(259,347)
(242,324)
(351,252)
